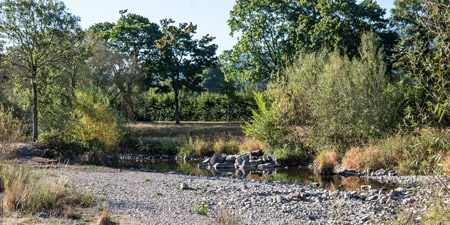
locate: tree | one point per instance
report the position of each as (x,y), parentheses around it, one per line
(182,59)
(423,53)
(38,35)
(272,32)
(134,36)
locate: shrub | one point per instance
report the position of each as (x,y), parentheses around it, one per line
(11,131)
(326,161)
(94,123)
(325,99)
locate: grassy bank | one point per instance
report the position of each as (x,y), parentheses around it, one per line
(26,193)
(194,139)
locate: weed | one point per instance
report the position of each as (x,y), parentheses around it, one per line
(105,218)
(148,180)
(200,208)
(159,193)
(225,217)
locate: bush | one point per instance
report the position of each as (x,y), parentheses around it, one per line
(326,161)
(11,131)
(325,100)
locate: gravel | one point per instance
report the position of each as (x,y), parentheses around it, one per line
(168,198)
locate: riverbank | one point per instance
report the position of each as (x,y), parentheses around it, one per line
(156,198)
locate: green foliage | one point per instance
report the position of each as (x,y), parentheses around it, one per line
(93,122)
(133,35)
(325,100)
(263,126)
(40,35)
(12,130)
(182,59)
(200,208)
(272,32)
(423,54)
(204,107)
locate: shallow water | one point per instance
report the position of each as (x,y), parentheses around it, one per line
(291,175)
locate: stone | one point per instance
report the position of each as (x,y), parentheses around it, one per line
(224,167)
(217,158)
(257,153)
(184,186)
(314,184)
(267,166)
(297,195)
(380,172)
(231,158)
(367,187)
(347,173)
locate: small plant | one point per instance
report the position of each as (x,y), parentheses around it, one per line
(159,193)
(108,184)
(148,180)
(105,218)
(200,208)
(226,217)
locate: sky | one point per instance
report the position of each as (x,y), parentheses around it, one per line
(210,16)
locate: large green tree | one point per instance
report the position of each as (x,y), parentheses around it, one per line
(182,59)
(271,32)
(38,34)
(134,36)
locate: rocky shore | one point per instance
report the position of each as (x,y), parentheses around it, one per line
(168,198)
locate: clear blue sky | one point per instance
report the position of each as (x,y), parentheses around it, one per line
(210,15)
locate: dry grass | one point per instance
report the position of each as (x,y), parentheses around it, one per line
(225,217)
(105,218)
(250,144)
(410,153)
(207,131)
(326,161)
(31,192)
(446,164)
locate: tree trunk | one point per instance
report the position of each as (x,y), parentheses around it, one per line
(177,115)
(35,111)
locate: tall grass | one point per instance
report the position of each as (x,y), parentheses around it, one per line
(421,152)
(31,192)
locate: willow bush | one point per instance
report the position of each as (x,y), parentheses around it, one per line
(326,100)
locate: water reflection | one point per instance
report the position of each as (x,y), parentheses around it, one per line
(291,175)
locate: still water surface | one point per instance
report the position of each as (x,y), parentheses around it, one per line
(291,175)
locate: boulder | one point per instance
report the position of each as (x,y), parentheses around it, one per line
(224,167)
(231,158)
(184,186)
(257,153)
(204,164)
(266,166)
(217,158)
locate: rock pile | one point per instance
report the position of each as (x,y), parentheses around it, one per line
(254,160)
